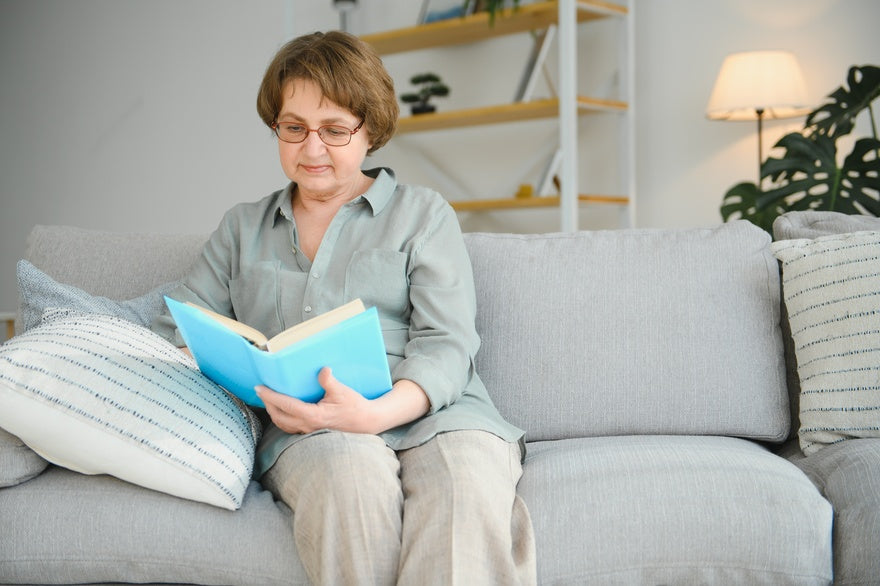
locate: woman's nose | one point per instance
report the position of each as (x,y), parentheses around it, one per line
(313,142)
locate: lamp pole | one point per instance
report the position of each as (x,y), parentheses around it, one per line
(760,113)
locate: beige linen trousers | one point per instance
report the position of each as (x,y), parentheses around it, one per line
(445,512)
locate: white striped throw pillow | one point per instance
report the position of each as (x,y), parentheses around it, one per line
(831,287)
(101,395)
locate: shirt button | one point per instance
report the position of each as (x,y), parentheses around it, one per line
(307,309)
(315,275)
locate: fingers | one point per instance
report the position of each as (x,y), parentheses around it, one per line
(326,379)
(340,408)
(276,399)
(285,411)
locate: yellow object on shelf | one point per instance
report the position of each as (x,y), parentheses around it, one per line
(8,318)
(525,190)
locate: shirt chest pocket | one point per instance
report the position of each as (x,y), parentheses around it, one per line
(379,278)
(267,297)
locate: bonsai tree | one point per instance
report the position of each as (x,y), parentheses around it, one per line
(808,175)
(428,85)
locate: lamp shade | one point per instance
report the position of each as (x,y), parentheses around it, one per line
(758,83)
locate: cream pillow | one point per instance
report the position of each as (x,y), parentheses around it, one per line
(100,395)
(831,287)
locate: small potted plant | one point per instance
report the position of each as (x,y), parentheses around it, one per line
(493,7)
(428,85)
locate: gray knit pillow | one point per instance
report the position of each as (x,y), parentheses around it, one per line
(100,395)
(18,462)
(831,287)
(39,292)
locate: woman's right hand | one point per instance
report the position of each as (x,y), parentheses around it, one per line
(344,409)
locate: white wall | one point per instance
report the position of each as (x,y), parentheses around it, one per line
(140,115)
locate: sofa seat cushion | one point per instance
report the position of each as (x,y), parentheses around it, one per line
(632,332)
(848,474)
(73,529)
(673,510)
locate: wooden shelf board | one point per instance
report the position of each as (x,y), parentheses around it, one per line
(468,29)
(534,109)
(475,205)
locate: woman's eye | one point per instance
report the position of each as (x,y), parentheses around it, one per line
(335,130)
(293,128)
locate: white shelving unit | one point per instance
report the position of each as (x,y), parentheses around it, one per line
(562,19)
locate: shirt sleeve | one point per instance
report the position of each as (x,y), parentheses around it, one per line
(207,282)
(443,341)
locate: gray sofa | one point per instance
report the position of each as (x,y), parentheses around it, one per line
(648,367)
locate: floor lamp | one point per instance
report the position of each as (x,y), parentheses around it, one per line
(758,85)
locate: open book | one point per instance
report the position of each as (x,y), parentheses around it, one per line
(237,357)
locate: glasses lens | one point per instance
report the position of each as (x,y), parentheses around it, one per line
(291,132)
(335,135)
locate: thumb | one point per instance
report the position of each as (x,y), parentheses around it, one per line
(327,381)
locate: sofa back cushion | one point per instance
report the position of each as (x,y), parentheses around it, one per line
(815,224)
(110,264)
(632,332)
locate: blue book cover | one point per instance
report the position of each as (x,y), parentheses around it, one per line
(353,348)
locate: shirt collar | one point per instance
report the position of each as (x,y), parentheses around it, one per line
(377,196)
(283,205)
(380,192)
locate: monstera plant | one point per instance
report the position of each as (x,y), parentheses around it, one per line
(809,175)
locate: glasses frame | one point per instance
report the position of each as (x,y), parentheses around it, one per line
(319,133)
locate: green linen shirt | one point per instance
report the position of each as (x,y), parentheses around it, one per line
(397,247)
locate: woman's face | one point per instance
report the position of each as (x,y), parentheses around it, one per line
(320,170)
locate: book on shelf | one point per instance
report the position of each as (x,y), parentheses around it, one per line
(238,357)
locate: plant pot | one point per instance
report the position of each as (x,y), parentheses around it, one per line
(422,108)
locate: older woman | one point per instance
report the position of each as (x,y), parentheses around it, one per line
(418,485)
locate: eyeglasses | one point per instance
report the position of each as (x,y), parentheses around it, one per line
(330,134)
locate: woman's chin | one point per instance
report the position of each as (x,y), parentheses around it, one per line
(319,183)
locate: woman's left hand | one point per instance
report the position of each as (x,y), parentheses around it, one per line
(342,408)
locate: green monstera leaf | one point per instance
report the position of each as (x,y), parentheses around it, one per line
(807,177)
(741,202)
(802,177)
(860,181)
(837,116)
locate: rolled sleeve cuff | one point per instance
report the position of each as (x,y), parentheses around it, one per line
(426,373)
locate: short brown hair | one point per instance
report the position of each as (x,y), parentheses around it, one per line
(346,69)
